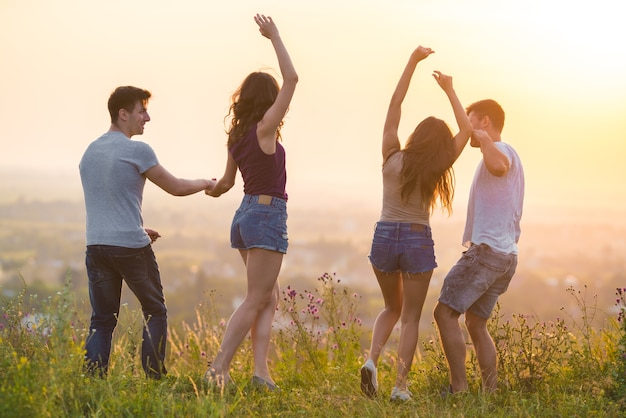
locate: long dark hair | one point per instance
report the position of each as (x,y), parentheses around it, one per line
(427,164)
(256,94)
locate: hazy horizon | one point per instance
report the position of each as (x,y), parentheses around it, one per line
(46,185)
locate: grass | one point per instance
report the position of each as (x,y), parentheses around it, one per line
(564,367)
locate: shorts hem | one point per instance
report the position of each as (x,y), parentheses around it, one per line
(455,309)
(263,247)
(400,270)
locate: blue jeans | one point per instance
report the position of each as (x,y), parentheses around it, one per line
(107,268)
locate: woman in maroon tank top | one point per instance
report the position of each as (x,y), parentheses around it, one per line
(259,226)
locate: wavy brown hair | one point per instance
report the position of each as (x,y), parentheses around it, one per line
(427,164)
(256,94)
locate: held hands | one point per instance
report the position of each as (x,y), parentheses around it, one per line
(267,27)
(444,81)
(210,187)
(211,192)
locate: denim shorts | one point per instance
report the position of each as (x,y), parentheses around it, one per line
(405,247)
(477,280)
(260,222)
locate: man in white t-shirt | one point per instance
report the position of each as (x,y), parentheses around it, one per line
(113,173)
(492,230)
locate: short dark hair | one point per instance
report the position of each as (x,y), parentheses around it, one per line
(489,108)
(125,97)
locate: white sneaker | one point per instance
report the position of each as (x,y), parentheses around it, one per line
(369,383)
(398,394)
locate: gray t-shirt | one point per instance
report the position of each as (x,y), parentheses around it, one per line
(111,172)
(495,206)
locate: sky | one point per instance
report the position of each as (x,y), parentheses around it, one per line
(557,68)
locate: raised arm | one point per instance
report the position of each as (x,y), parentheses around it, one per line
(391,143)
(173,185)
(496,161)
(266,128)
(227,181)
(462,121)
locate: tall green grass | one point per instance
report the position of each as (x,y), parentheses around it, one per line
(563,367)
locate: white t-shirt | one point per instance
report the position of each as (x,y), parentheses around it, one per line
(495,206)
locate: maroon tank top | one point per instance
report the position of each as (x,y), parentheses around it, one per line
(262,173)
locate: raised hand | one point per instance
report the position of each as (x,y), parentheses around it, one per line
(421,52)
(444,81)
(267,27)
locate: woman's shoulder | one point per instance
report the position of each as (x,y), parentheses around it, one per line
(394,158)
(245,136)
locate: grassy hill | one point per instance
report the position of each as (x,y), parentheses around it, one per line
(564,367)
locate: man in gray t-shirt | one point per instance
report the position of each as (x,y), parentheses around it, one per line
(492,230)
(113,173)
